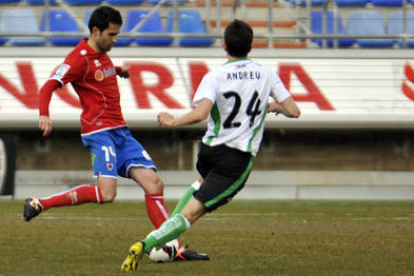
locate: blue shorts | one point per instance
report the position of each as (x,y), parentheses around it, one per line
(115,151)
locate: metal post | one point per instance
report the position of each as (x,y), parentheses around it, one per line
(269,23)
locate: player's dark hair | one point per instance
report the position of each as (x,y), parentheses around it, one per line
(238,38)
(102,16)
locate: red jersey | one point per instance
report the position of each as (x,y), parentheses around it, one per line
(93,76)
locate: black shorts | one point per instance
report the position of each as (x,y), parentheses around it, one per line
(225,171)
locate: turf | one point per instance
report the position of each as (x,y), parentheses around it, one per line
(243,238)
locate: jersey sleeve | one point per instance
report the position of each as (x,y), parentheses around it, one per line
(206,89)
(45,95)
(69,71)
(279,91)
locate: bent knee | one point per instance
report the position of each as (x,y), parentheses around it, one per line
(108,196)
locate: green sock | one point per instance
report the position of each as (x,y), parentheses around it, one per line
(169,230)
(186,198)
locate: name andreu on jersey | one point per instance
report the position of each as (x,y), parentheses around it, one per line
(243,75)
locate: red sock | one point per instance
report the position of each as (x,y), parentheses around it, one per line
(157,212)
(78,195)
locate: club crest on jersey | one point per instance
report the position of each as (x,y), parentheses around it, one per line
(97,63)
(62,70)
(110,166)
(99,75)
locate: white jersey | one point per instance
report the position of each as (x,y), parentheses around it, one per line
(240,91)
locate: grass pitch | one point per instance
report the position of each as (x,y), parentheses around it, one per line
(301,238)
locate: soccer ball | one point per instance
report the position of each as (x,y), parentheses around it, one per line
(164,254)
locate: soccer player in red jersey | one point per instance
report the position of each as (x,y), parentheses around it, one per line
(104,132)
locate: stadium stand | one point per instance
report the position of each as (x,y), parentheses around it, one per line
(21,21)
(289,17)
(189,22)
(61,21)
(396,26)
(317,28)
(151,23)
(368,23)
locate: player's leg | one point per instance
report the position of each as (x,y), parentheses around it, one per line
(75,196)
(169,230)
(153,187)
(104,161)
(186,197)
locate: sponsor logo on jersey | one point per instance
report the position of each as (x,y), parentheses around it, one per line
(99,75)
(62,70)
(109,72)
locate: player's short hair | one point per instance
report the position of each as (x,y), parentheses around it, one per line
(238,38)
(102,16)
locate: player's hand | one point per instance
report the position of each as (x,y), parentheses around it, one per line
(45,125)
(165,119)
(124,73)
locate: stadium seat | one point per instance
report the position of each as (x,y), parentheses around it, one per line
(124,2)
(152,25)
(189,22)
(368,23)
(40,2)
(61,21)
(317,28)
(387,3)
(121,41)
(304,2)
(21,21)
(359,3)
(9,1)
(396,26)
(3,40)
(166,2)
(84,2)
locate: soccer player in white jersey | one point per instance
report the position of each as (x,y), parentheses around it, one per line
(235,98)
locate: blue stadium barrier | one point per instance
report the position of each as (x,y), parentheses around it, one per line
(21,21)
(368,23)
(313,3)
(166,2)
(121,41)
(358,3)
(84,2)
(9,1)
(152,25)
(396,26)
(387,3)
(189,22)
(124,2)
(3,40)
(61,21)
(40,2)
(317,28)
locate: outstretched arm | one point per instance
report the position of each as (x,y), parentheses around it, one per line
(45,95)
(198,114)
(288,108)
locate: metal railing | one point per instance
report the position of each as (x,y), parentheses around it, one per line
(302,32)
